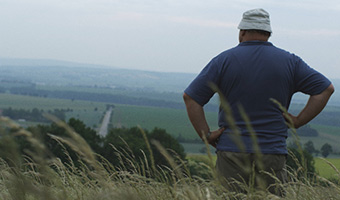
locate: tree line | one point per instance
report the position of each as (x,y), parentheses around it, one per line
(132,143)
(304,154)
(119,142)
(34,115)
(325,149)
(99,97)
(31,90)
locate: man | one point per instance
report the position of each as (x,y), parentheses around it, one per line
(250,76)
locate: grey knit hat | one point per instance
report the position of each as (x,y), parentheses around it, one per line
(256,19)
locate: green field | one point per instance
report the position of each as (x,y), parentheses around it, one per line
(322,167)
(327,134)
(196,148)
(328,170)
(83,110)
(175,121)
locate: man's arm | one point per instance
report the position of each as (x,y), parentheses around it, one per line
(314,106)
(197,118)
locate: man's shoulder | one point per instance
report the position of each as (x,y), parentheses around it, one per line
(270,49)
(244,47)
(283,51)
(227,53)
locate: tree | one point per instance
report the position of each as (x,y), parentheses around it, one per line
(130,143)
(36,114)
(42,132)
(168,142)
(122,147)
(57,149)
(125,142)
(89,135)
(294,161)
(326,149)
(309,147)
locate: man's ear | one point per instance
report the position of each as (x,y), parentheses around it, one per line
(241,35)
(243,32)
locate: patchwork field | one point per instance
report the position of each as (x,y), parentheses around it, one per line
(327,134)
(175,121)
(89,112)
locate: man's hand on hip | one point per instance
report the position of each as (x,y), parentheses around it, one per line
(314,106)
(292,120)
(213,138)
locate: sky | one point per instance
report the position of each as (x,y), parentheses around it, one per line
(163,35)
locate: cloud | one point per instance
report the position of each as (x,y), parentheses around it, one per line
(155,17)
(122,16)
(127,32)
(310,32)
(204,23)
(315,5)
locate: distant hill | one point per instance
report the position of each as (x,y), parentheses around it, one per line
(44,63)
(52,72)
(63,73)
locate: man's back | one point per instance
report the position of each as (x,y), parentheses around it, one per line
(250,75)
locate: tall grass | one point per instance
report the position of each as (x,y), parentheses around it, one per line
(40,175)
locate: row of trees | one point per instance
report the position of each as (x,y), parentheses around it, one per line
(133,144)
(98,97)
(325,150)
(34,115)
(305,156)
(127,141)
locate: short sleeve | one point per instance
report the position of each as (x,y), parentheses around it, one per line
(200,88)
(307,80)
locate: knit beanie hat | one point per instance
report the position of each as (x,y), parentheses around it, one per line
(256,19)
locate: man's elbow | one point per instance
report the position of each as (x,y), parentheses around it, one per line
(330,90)
(186,97)
(189,101)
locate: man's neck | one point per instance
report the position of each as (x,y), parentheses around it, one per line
(248,36)
(255,38)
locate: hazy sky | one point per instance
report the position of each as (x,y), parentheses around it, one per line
(163,35)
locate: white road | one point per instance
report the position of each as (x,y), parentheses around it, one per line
(105,123)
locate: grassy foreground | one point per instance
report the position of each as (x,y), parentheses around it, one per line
(39,175)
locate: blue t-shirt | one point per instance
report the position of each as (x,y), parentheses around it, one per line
(250,75)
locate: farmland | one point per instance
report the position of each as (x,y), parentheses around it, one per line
(83,110)
(46,177)
(140,98)
(137,99)
(327,134)
(175,121)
